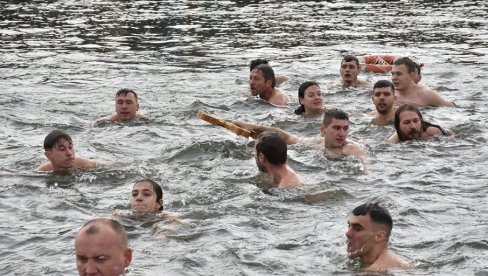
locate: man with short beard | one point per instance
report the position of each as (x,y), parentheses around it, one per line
(384,99)
(368,234)
(410,125)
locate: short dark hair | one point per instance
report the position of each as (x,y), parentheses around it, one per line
(409,63)
(268,73)
(256,62)
(384,83)
(377,214)
(157,189)
(349,58)
(301,93)
(93,227)
(54,137)
(334,113)
(273,146)
(125,91)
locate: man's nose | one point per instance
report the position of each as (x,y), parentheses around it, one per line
(91,267)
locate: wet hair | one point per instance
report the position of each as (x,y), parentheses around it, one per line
(301,94)
(54,137)
(384,83)
(378,214)
(409,63)
(157,189)
(256,62)
(124,92)
(268,73)
(349,58)
(93,227)
(273,146)
(424,125)
(334,113)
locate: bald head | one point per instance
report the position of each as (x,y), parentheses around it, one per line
(101,247)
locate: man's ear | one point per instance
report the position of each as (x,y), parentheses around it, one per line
(261,157)
(137,107)
(381,236)
(322,129)
(48,153)
(127,257)
(269,83)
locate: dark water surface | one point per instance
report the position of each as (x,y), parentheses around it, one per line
(61,63)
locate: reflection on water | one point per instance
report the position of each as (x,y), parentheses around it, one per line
(61,63)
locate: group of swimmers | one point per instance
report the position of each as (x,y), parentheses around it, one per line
(101,244)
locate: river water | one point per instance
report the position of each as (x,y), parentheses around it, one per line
(61,62)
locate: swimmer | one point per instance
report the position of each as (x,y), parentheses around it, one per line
(410,125)
(102,249)
(367,236)
(405,79)
(59,150)
(383,99)
(147,198)
(349,73)
(279,79)
(310,99)
(126,107)
(262,82)
(334,129)
(270,154)
(383,64)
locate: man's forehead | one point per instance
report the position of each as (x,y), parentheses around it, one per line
(408,114)
(383,89)
(63,141)
(401,67)
(126,96)
(361,220)
(339,122)
(352,62)
(257,72)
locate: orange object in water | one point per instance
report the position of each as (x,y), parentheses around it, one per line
(230,126)
(376,63)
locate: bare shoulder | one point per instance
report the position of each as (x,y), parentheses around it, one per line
(85,163)
(432,97)
(364,84)
(389,261)
(280,98)
(45,167)
(394,138)
(142,117)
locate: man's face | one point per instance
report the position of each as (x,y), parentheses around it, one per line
(143,198)
(400,77)
(335,134)
(383,99)
(349,70)
(410,124)
(257,83)
(126,106)
(101,253)
(61,155)
(361,235)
